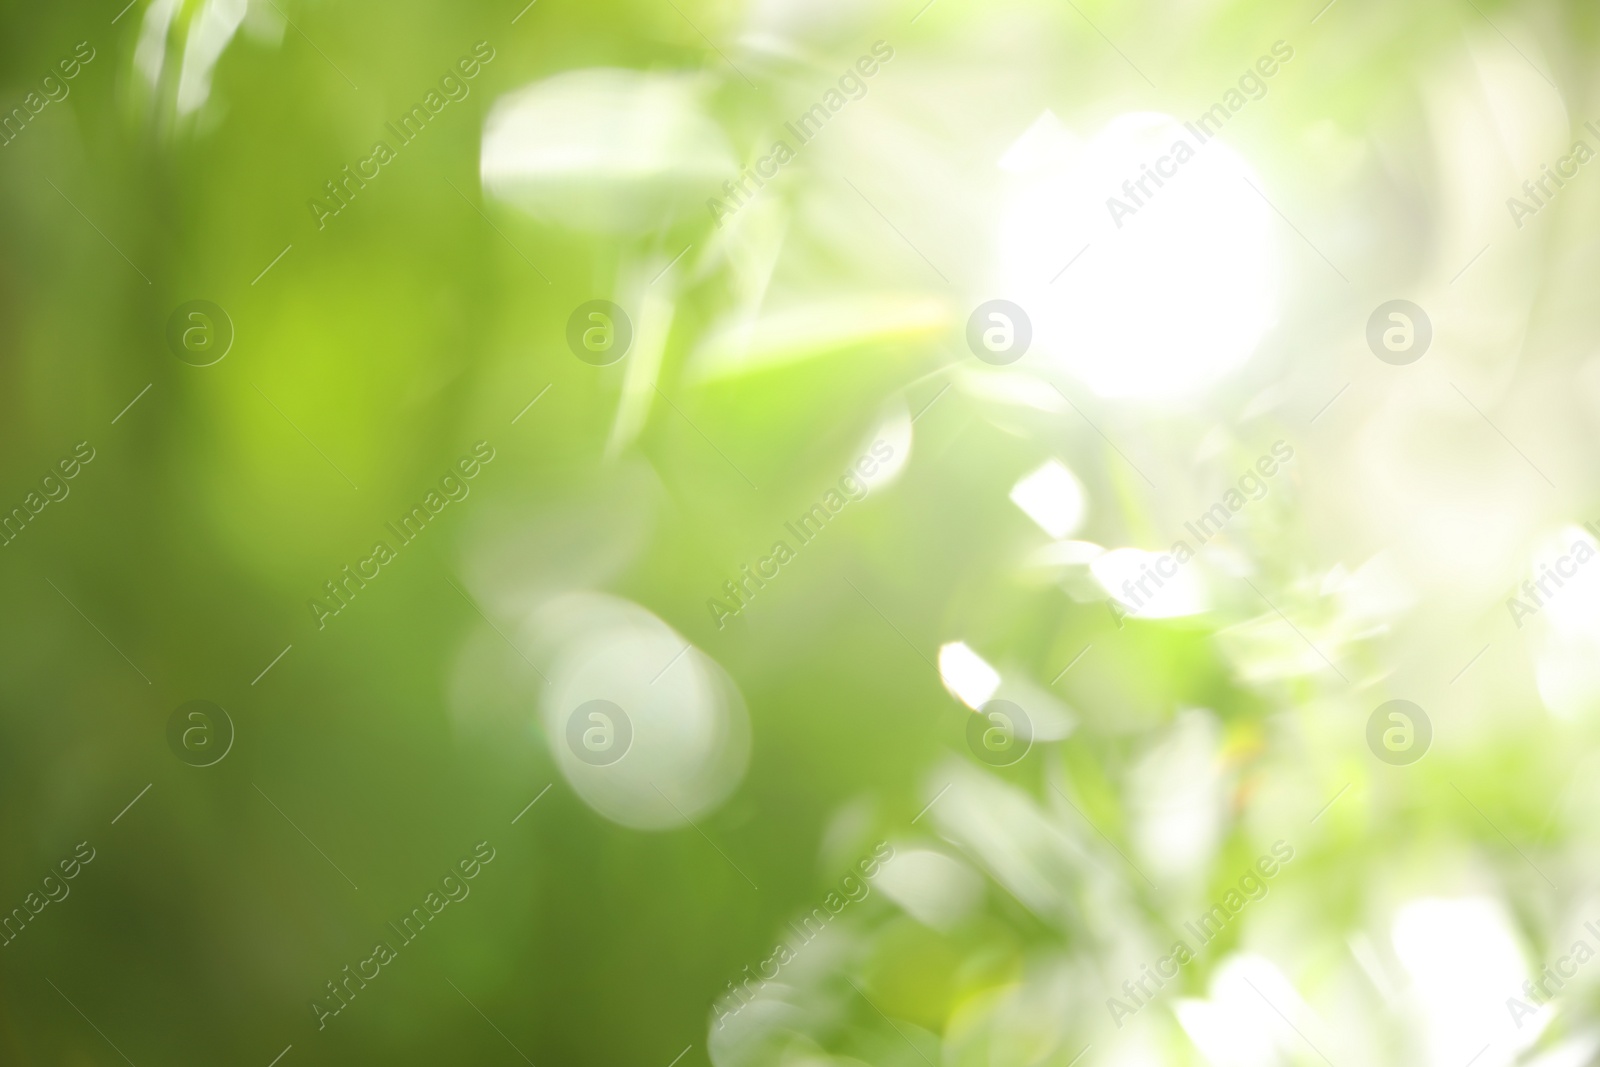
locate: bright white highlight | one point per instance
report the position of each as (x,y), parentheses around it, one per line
(969,679)
(1240,1025)
(1464,962)
(1178,593)
(1051,497)
(209,35)
(1168,297)
(610,150)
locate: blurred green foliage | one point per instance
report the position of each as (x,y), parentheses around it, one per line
(426,316)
